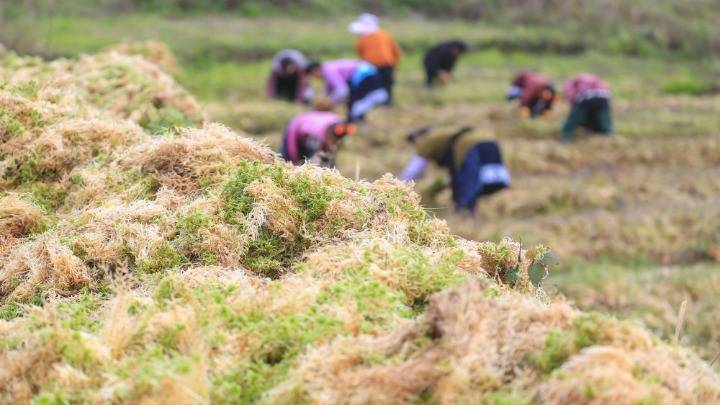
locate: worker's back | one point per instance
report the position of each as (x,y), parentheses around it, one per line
(379,49)
(437,144)
(532,84)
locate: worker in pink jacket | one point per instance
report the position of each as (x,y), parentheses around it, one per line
(315,136)
(589,99)
(354,82)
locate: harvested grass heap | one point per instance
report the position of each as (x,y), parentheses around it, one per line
(153,51)
(191,266)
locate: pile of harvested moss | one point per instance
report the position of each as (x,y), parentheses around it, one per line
(151,264)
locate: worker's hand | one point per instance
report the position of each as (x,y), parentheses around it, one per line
(437,186)
(444,77)
(524,112)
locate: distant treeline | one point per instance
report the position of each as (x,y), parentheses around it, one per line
(689,26)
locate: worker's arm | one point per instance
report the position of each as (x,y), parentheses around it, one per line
(528,97)
(514,92)
(292,134)
(337,86)
(303,90)
(397,52)
(444,76)
(435,188)
(339,93)
(271,85)
(414,169)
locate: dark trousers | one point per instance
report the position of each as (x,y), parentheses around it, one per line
(387,75)
(287,87)
(467,182)
(430,75)
(592,114)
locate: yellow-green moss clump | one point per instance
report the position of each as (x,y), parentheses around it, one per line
(190,265)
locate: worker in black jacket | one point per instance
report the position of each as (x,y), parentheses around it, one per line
(440,61)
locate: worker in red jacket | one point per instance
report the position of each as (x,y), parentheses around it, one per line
(535,91)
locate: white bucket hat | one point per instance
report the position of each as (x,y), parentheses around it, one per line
(365,24)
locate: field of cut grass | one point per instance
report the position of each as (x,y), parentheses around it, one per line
(142,264)
(649,195)
(148,255)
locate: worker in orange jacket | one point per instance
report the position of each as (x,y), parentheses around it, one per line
(377,47)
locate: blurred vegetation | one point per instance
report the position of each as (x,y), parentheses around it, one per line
(613,26)
(660,58)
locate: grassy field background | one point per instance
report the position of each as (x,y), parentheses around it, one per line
(632,220)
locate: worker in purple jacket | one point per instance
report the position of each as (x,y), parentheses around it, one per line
(352,81)
(315,136)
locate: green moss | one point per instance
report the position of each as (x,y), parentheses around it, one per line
(589,392)
(169,337)
(269,253)
(279,339)
(237,201)
(47,196)
(52,398)
(509,398)
(163,119)
(418,277)
(311,196)
(495,255)
(10,311)
(556,350)
(193,222)
(165,257)
(168,288)
(77,180)
(188,238)
(148,370)
(11,126)
(375,301)
(209,259)
(11,342)
(29,170)
(28,89)
(80,313)
(492,292)
(587,330)
(73,350)
(401,204)
(561,345)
